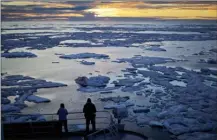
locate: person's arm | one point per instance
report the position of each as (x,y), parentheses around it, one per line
(58,112)
(84,109)
(94,108)
(67,112)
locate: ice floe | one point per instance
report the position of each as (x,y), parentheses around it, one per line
(97,89)
(209,61)
(18,55)
(85,56)
(95,81)
(143,120)
(117,99)
(207,71)
(86,62)
(9,108)
(74,41)
(141,61)
(213,50)
(113,106)
(172,111)
(178,83)
(141,110)
(5,100)
(37,99)
(18,118)
(127,81)
(155,124)
(198,136)
(155,48)
(212,61)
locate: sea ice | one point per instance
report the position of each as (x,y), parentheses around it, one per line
(23,87)
(155,48)
(138,61)
(86,62)
(140,93)
(127,81)
(112,106)
(95,81)
(74,41)
(207,71)
(143,120)
(5,100)
(12,118)
(85,56)
(178,83)
(153,100)
(97,89)
(213,50)
(172,111)
(117,99)
(141,110)
(9,108)
(18,55)
(212,61)
(133,88)
(37,99)
(198,136)
(155,124)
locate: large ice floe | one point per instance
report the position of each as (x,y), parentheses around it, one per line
(85,56)
(141,61)
(94,84)
(23,87)
(18,55)
(95,81)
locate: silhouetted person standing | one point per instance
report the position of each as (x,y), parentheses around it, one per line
(90,114)
(62,112)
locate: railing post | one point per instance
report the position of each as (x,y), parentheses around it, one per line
(2,131)
(104,134)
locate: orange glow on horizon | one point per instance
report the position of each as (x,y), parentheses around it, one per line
(148,10)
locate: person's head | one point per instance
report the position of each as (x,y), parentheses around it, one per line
(62,105)
(88,100)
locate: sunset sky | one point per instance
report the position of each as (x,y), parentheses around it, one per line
(91,10)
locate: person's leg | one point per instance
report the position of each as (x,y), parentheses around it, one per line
(87,124)
(60,127)
(93,122)
(65,126)
(61,123)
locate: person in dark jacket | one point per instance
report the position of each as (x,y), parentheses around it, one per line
(62,112)
(90,114)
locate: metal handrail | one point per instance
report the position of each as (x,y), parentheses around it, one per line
(55,113)
(110,118)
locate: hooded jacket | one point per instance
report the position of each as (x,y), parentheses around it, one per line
(89,110)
